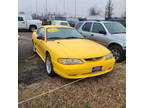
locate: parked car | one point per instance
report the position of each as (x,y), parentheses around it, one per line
(72,23)
(58,22)
(28,23)
(108,33)
(59,18)
(65,52)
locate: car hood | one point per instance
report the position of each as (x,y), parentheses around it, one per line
(80,48)
(121,37)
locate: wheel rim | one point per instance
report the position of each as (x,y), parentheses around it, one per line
(48,66)
(116,54)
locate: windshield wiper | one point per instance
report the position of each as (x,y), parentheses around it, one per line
(118,32)
(73,37)
(55,38)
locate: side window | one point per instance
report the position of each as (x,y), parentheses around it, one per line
(41,33)
(20,18)
(78,25)
(97,27)
(87,26)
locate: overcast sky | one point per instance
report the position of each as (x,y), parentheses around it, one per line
(82,6)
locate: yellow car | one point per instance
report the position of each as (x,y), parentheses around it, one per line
(66,53)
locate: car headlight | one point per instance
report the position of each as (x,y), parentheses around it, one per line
(109,56)
(69,61)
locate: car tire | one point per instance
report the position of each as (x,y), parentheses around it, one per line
(49,66)
(33,47)
(32,28)
(117,53)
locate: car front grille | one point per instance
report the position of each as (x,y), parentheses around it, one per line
(93,59)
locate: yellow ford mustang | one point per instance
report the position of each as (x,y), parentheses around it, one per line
(67,53)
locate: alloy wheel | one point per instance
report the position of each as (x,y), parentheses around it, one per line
(48,66)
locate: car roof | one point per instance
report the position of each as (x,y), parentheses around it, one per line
(56,26)
(98,21)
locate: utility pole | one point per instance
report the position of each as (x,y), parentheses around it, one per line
(36,8)
(56,7)
(64,7)
(46,8)
(75,8)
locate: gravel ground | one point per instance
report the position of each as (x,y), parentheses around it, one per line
(107,91)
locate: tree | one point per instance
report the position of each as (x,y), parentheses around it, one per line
(94,12)
(109,10)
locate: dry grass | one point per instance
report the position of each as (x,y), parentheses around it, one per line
(107,91)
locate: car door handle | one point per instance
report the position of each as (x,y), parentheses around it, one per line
(92,34)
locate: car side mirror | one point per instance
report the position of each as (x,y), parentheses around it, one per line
(39,37)
(102,32)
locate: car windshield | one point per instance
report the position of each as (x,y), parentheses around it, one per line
(115,28)
(63,33)
(60,18)
(64,23)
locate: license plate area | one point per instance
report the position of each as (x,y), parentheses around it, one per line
(96,69)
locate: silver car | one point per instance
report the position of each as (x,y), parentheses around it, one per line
(108,33)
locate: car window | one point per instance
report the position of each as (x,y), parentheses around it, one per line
(41,32)
(87,26)
(78,25)
(20,18)
(97,27)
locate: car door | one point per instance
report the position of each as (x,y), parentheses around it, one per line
(21,23)
(99,34)
(40,43)
(85,30)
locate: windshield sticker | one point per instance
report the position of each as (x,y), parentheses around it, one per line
(52,30)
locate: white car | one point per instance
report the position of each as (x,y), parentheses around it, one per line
(27,23)
(58,22)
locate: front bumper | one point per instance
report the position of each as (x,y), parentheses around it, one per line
(83,70)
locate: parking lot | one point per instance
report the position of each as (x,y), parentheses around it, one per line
(107,91)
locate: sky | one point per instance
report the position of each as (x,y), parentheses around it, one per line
(82,6)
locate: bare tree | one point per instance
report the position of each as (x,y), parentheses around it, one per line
(109,9)
(94,12)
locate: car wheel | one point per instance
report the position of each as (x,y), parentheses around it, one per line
(117,53)
(49,66)
(34,49)
(32,28)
